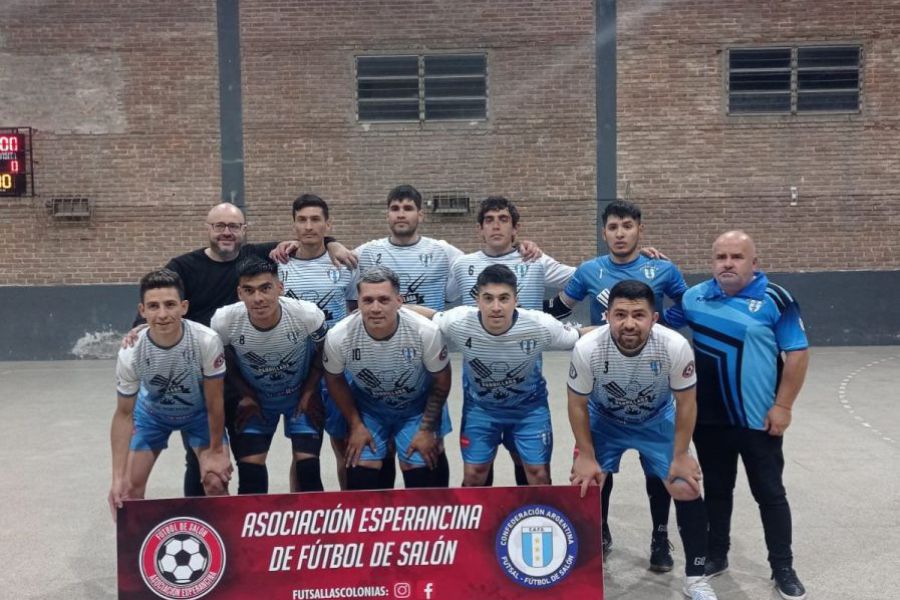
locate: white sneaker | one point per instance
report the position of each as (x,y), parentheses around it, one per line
(698,588)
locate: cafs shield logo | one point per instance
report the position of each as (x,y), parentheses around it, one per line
(334,275)
(528,346)
(649,271)
(537,546)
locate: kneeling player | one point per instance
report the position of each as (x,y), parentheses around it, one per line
(504,391)
(399,381)
(170,379)
(274,342)
(621,382)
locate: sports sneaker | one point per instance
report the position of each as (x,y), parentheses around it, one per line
(661,554)
(606,543)
(698,588)
(788,584)
(715,566)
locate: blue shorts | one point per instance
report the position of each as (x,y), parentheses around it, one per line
(531,436)
(335,423)
(654,441)
(399,429)
(271,414)
(151,433)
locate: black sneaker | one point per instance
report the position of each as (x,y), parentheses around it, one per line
(788,584)
(715,566)
(661,554)
(606,543)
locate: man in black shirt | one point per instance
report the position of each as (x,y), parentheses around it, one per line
(210,282)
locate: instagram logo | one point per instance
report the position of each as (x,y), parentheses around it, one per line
(402,590)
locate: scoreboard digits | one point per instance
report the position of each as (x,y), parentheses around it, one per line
(14,163)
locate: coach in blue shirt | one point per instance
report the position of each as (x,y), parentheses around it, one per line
(751,354)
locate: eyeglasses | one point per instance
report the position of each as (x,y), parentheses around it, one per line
(232,227)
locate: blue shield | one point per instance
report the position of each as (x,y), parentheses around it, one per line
(537,546)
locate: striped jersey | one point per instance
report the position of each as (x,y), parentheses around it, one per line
(423,267)
(390,377)
(532,277)
(274,362)
(632,389)
(504,371)
(318,281)
(169,381)
(738,341)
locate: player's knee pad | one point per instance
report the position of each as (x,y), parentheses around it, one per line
(252,478)
(420,477)
(681,490)
(388,472)
(309,476)
(193,486)
(250,444)
(306,443)
(521,476)
(363,478)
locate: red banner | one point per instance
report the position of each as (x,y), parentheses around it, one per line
(497,543)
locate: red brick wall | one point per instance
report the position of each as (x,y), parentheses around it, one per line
(124,97)
(697,171)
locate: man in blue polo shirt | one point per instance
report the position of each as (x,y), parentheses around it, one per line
(751,354)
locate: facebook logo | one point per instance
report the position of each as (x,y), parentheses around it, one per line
(425,590)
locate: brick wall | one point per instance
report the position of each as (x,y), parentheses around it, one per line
(124,98)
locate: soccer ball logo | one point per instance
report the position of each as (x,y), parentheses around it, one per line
(182,559)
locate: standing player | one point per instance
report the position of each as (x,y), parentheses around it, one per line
(309,274)
(170,379)
(622,229)
(752,356)
(628,372)
(272,344)
(210,282)
(498,223)
(400,378)
(504,391)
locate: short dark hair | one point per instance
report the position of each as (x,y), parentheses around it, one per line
(162,278)
(253,265)
(498,203)
(632,289)
(405,192)
(305,200)
(379,274)
(496,274)
(622,209)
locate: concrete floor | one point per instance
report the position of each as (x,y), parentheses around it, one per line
(842,476)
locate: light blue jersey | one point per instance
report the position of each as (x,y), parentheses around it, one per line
(318,281)
(423,267)
(533,277)
(596,277)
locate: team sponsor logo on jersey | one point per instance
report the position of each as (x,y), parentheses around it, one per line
(183,557)
(754,305)
(649,271)
(409,353)
(528,346)
(654,367)
(426,259)
(521,270)
(537,546)
(688,370)
(573,373)
(220,360)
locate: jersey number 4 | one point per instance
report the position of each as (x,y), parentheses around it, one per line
(468,343)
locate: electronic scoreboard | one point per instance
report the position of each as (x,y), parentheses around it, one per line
(15,161)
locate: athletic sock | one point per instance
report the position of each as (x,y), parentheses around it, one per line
(363,478)
(309,476)
(692,526)
(252,478)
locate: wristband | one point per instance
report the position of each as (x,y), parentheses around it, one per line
(787,408)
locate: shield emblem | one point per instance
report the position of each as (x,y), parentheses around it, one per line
(654,366)
(649,271)
(334,275)
(537,546)
(409,354)
(426,259)
(521,270)
(754,305)
(528,346)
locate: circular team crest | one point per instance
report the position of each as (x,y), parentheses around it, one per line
(182,558)
(537,546)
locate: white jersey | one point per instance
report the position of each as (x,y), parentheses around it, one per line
(274,362)
(389,377)
(532,277)
(169,381)
(318,281)
(504,371)
(632,389)
(423,267)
